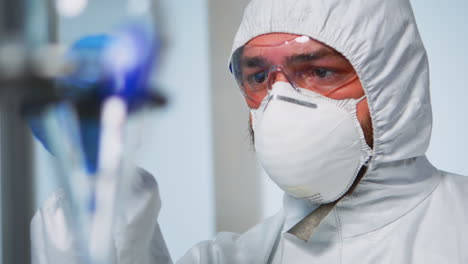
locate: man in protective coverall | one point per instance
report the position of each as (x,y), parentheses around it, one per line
(341,116)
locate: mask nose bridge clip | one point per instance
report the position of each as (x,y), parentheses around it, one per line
(272,97)
(292,101)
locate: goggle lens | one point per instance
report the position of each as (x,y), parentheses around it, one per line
(306,64)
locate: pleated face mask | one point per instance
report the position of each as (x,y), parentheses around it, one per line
(311,146)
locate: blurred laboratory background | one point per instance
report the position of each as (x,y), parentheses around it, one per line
(198,146)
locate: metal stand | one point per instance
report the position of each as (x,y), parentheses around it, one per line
(16,160)
(16,181)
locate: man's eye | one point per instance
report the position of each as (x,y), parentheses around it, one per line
(317,74)
(258,78)
(322,73)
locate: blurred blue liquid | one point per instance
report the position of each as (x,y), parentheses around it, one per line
(104,66)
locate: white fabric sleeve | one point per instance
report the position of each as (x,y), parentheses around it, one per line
(137,237)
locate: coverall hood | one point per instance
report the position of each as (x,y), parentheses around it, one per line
(381,40)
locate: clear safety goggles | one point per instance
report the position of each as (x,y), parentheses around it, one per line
(304,62)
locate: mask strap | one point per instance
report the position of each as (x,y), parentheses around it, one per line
(360,99)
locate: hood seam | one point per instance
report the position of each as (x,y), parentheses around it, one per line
(340,233)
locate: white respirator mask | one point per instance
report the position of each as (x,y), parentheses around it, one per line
(311,146)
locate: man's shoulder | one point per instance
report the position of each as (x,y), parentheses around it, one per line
(455,185)
(252,246)
(455,180)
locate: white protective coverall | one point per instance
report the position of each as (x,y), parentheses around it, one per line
(403,211)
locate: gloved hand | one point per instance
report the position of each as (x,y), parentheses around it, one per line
(52,240)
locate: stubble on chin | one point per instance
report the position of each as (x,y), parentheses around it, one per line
(368,132)
(251,133)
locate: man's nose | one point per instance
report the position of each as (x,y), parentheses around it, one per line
(277,76)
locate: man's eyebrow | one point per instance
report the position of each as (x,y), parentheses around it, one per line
(252,62)
(316,55)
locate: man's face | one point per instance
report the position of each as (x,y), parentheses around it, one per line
(352,89)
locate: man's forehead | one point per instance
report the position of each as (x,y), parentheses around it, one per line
(277,40)
(272,39)
(272,47)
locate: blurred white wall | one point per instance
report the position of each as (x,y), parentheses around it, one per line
(238,186)
(178,146)
(444,29)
